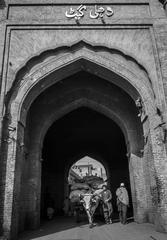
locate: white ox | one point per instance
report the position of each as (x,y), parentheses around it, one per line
(90,202)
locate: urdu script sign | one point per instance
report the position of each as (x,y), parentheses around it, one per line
(94,13)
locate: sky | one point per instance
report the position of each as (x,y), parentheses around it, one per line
(88,160)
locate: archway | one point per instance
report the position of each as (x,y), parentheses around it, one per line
(110,94)
(80,90)
(79,133)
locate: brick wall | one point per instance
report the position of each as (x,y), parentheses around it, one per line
(143,51)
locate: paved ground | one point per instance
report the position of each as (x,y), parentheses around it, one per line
(67,229)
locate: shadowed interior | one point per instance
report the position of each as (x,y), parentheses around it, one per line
(82,132)
(81,115)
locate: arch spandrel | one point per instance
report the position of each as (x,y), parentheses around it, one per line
(133,82)
(134,46)
(45,54)
(36,69)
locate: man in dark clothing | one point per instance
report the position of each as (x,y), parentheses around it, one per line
(122,203)
(106,197)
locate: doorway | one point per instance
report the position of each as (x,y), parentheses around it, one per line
(82,132)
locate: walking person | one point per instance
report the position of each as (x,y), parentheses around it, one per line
(122,203)
(106,198)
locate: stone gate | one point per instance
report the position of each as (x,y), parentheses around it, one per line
(44,44)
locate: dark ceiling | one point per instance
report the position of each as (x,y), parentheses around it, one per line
(84,132)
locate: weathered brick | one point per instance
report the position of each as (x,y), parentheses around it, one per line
(39,48)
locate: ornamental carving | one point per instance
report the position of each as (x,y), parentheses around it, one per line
(164,2)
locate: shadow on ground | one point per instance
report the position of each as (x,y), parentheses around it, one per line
(60,224)
(53,226)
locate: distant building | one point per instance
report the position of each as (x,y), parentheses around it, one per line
(73,176)
(88,170)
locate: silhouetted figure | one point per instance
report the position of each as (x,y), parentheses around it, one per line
(106,197)
(122,203)
(49,205)
(50,212)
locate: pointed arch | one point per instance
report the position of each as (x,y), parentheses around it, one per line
(111,66)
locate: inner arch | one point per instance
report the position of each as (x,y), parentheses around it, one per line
(82,132)
(86,166)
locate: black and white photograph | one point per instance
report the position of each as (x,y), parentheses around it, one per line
(83,119)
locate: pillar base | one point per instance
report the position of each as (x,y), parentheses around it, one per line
(160,223)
